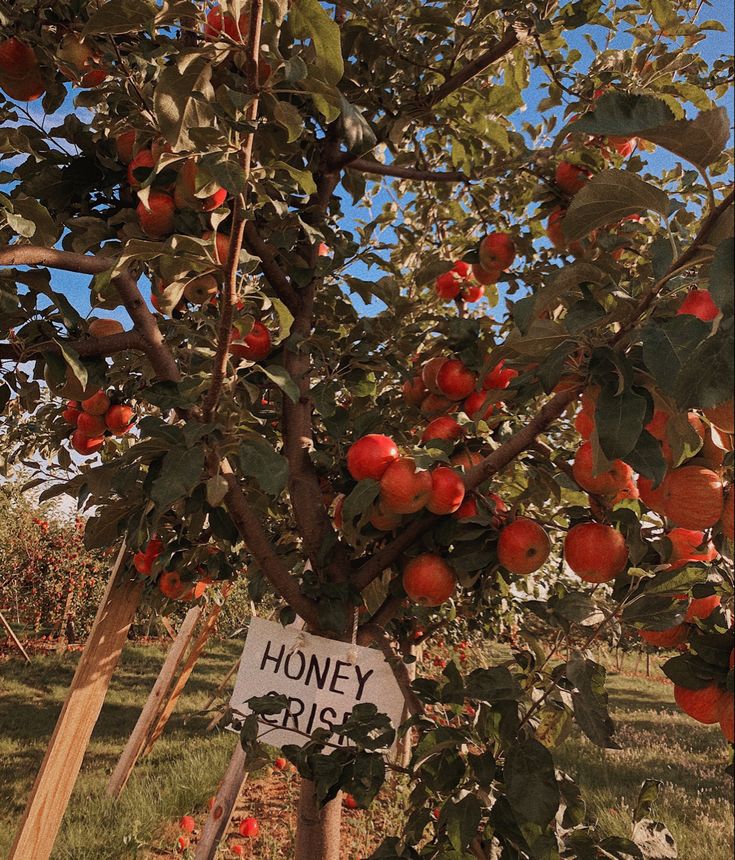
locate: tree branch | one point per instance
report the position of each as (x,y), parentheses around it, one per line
(502,46)
(365,165)
(492,464)
(229,290)
(88,348)
(262,550)
(158,353)
(34,255)
(273,272)
(681,261)
(373,633)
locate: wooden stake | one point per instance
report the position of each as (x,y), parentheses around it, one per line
(224,803)
(149,715)
(12,635)
(196,652)
(60,767)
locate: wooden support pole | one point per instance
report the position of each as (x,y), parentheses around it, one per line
(191,660)
(224,803)
(149,715)
(60,767)
(12,635)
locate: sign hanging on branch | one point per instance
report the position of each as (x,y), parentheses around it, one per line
(322,679)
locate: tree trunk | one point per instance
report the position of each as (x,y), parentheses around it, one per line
(317,830)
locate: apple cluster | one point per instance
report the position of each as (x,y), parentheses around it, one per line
(169,582)
(94,418)
(466,282)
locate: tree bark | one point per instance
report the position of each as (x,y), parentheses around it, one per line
(317,830)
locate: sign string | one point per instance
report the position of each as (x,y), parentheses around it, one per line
(352,653)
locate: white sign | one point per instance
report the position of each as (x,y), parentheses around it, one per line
(322,678)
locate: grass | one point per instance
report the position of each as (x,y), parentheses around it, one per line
(658,741)
(184,768)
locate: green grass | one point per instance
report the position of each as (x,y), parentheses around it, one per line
(660,742)
(186,764)
(179,775)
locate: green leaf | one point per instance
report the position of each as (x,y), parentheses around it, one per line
(258,460)
(685,670)
(282,379)
(590,701)
(709,376)
(181,100)
(181,471)
(700,141)
(619,420)
(675,581)
(622,115)
(289,117)
(81,374)
(668,347)
(462,820)
(607,198)
(310,20)
(530,782)
(647,458)
(303,177)
(360,500)
(358,135)
(722,277)
(646,797)
(492,685)
(121,16)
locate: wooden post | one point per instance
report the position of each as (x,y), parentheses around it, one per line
(224,802)
(60,767)
(149,715)
(12,635)
(196,652)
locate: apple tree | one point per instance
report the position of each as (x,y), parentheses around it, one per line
(428,323)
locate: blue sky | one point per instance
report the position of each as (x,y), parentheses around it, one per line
(717,43)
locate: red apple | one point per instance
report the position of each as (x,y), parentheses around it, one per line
(84,445)
(472,293)
(447,491)
(187,823)
(143,162)
(571,178)
(499,377)
(430,372)
(256,344)
(249,828)
(448,286)
(20,75)
(595,552)
(475,406)
(97,404)
(403,490)
(428,580)
(119,419)
(414,391)
(699,303)
(156,217)
(370,456)
(72,412)
(91,425)
(79,62)
(219,23)
(454,380)
(523,546)
(497,251)
(444,427)
(186,188)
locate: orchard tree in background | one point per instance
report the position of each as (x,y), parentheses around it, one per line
(560,457)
